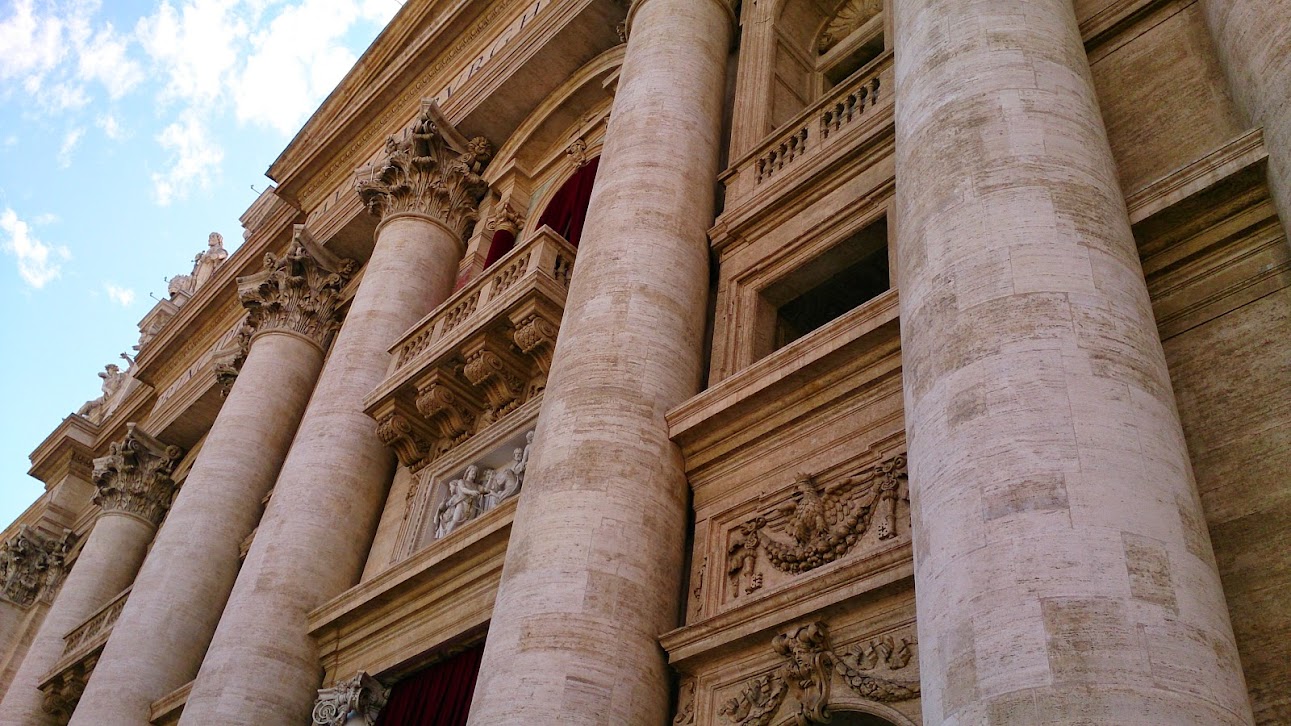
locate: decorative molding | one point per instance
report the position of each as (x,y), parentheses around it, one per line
(358,700)
(32,565)
(505,219)
(432,170)
(134,477)
(824,526)
(851,16)
(806,674)
(298,292)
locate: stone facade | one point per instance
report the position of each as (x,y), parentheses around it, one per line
(906,362)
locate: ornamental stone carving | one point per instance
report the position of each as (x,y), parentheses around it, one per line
(431,170)
(113,388)
(298,292)
(32,565)
(806,674)
(823,525)
(852,15)
(505,219)
(480,490)
(227,362)
(358,700)
(410,446)
(134,477)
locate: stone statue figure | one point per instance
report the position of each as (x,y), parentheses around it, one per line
(461,504)
(97,409)
(206,263)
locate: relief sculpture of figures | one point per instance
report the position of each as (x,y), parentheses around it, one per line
(461,503)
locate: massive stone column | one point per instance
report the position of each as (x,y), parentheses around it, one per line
(593,572)
(134,489)
(1062,564)
(1253,40)
(262,667)
(158,642)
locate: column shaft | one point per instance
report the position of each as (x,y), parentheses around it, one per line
(262,667)
(106,566)
(1253,41)
(158,642)
(1063,568)
(593,571)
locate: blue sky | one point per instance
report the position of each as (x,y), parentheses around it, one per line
(129,131)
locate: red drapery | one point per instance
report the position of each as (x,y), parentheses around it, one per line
(565,213)
(438,695)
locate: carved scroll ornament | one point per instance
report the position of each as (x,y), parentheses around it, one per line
(362,695)
(806,674)
(32,565)
(298,292)
(429,171)
(823,525)
(135,476)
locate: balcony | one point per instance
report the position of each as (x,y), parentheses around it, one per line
(81,649)
(477,357)
(827,132)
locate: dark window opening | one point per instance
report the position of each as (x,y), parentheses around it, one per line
(844,277)
(437,695)
(852,60)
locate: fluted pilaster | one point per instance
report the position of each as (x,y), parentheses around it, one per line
(180,592)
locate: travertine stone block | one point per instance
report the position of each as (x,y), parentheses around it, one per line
(593,573)
(1056,520)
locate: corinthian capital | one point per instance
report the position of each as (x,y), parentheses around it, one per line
(135,476)
(31,564)
(431,170)
(362,695)
(298,292)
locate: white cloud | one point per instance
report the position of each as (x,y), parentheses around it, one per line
(194,46)
(11,140)
(194,159)
(103,58)
(29,44)
(70,141)
(111,127)
(38,263)
(122,296)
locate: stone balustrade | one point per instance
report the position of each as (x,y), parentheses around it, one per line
(478,356)
(81,649)
(827,127)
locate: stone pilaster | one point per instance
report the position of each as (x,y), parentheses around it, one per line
(1253,40)
(32,565)
(593,572)
(354,702)
(181,590)
(1062,564)
(134,491)
(315,534)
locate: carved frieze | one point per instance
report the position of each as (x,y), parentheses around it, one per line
(32,565)
(298,292)
(481,489)
(805,675)
(135,476)
(818,525)
(431,170)
(358,700)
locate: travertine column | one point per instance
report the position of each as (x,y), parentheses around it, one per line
(1062,564)
(262,667)
(1253,40)
(593,571)
(157,643)
(134,489)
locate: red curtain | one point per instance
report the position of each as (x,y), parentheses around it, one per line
(503,242)
(567,209)
(438,695)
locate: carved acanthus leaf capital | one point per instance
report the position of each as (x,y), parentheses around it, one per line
(431,170)
(32,564)
(505,219)
(298,292)
(362,695)
(135,476)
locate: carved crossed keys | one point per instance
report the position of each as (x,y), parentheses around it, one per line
(806,674)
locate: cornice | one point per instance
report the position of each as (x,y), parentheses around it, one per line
(162,356)
(69,446)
